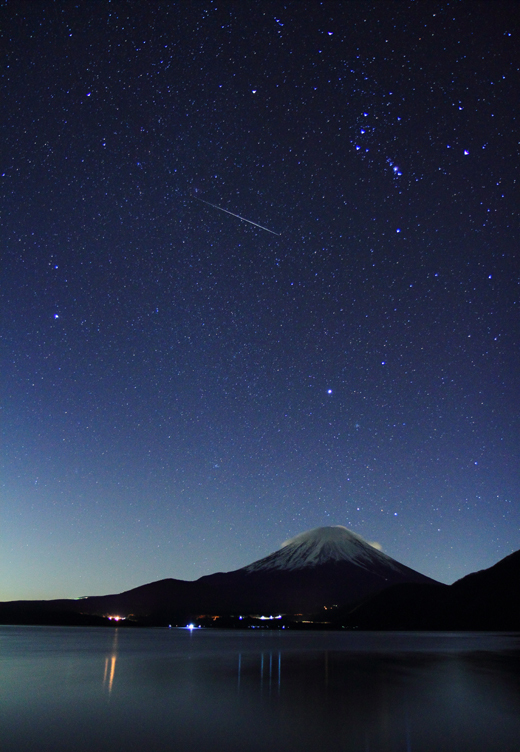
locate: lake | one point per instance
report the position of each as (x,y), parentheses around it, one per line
(103,689)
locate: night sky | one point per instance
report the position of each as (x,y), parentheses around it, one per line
(183,390)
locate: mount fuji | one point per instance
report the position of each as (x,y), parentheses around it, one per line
(320,568)
(324,545)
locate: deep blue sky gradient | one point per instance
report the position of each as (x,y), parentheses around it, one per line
(182,391)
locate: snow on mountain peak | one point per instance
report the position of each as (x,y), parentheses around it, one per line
(323,544)
(338,538)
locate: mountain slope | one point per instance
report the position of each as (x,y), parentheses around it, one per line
(324,545)
(484,600)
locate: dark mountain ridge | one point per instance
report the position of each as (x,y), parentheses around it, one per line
(323,567)
(483,600)
(314,571)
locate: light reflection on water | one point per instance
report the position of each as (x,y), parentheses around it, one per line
(150,689)
(110,664)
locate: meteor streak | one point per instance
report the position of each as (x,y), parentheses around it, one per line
(243,219)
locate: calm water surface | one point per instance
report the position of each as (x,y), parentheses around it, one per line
(167,689)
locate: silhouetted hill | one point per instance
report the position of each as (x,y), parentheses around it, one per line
(39,613)
(484,600)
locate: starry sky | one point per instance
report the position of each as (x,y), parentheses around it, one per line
(183,390)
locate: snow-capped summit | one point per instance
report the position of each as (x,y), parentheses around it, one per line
(323,545)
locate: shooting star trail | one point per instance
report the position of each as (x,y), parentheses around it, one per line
(243,219)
